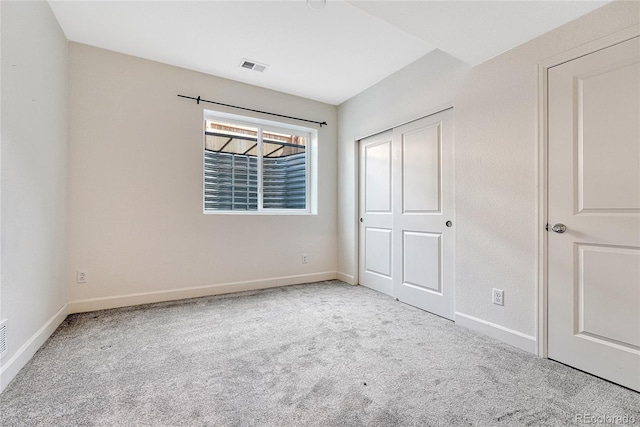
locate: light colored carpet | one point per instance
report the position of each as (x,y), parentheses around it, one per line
(323,354)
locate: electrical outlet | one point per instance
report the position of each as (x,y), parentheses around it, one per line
(82,276)
(497,296)
(305,259)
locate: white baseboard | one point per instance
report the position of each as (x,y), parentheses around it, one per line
(509,336)
(346,278)
(10,369)
(93,304)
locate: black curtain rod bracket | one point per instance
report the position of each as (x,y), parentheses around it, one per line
(199,99)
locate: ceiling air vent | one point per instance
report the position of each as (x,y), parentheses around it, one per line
(253,65)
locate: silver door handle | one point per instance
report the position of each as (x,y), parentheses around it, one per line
(559,228)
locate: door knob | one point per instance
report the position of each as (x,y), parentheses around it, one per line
(361,220)
(559,228)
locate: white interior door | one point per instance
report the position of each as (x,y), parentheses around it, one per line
(594,191)
(406,200)
(376,213)
(423,202)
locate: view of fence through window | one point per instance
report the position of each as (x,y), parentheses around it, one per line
(232,154)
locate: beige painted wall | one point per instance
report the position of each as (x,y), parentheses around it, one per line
(33,179)
(135,188)
(495,111)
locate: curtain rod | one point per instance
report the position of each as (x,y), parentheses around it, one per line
(198,100)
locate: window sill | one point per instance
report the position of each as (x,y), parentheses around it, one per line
(262,213)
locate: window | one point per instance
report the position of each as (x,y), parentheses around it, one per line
(256,165)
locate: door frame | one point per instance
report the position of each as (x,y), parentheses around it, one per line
(543,170)
(356,146)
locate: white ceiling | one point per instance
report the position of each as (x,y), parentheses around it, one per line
(328,55)
(475,31)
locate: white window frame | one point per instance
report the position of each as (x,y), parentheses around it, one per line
(311,181)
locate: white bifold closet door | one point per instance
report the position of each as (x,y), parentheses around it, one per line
(594,213)
(406,213)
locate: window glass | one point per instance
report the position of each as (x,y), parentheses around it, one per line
(254,168)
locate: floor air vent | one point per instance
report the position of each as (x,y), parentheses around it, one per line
(3,337)
(253,65)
